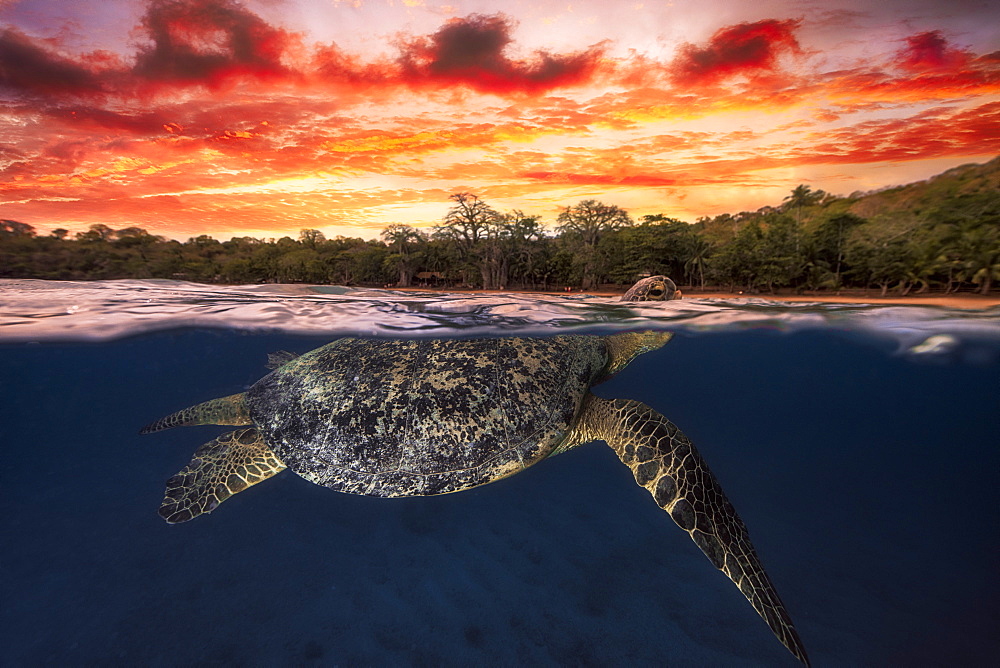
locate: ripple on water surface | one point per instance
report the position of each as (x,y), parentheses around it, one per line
(38,310)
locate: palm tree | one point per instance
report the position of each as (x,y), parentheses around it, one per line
(696,251)
(401,238)
(925,261)
(971,241)
(830,238)
(802,196)
(980,249)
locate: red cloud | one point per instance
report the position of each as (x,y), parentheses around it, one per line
(334,65)
(929,134)
(210,41)
(958,76)
(740,49)
(472,51)
(930,50)
(88,118)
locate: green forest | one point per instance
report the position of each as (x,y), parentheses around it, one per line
(942,234)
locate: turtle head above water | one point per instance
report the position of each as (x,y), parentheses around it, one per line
(652,289)
(626,346)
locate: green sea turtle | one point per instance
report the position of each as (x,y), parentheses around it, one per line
(391,417)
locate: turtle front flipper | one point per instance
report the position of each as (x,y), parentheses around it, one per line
(665,462)
(222,467)
(229,410)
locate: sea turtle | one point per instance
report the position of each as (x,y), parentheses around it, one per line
(393,417)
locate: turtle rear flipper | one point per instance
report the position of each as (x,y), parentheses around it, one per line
(665,462)
(222,467)
(280,358)
(229,410)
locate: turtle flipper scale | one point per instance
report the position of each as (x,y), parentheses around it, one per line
(222,467)
(229,410)
(664,461)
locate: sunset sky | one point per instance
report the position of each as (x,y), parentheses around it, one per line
(263,117)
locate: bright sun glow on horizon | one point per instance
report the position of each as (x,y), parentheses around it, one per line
(260,118)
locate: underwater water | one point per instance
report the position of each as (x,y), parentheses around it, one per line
(858,443)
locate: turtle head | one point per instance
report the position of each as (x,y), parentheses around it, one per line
(626,346)
(652,289)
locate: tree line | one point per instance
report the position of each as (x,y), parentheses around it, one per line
(811,241)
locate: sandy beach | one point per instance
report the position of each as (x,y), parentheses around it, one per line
(963,300)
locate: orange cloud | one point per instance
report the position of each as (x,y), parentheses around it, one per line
(638,180)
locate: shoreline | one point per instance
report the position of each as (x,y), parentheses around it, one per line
(965,300)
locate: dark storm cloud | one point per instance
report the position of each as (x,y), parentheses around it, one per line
(746,48)
(215,43)
(26,65)
(473,51)
(208,41)
(185,42)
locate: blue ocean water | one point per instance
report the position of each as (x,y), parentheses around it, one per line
(859,444)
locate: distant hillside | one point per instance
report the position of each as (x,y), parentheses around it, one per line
(900,209)
(888,212)
(943,232)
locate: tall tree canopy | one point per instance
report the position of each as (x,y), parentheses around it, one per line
(942,233)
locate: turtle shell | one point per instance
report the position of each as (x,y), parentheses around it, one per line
(388,417)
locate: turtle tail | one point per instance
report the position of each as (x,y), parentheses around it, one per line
(224,410)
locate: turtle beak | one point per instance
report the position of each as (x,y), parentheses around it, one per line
(678,295)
